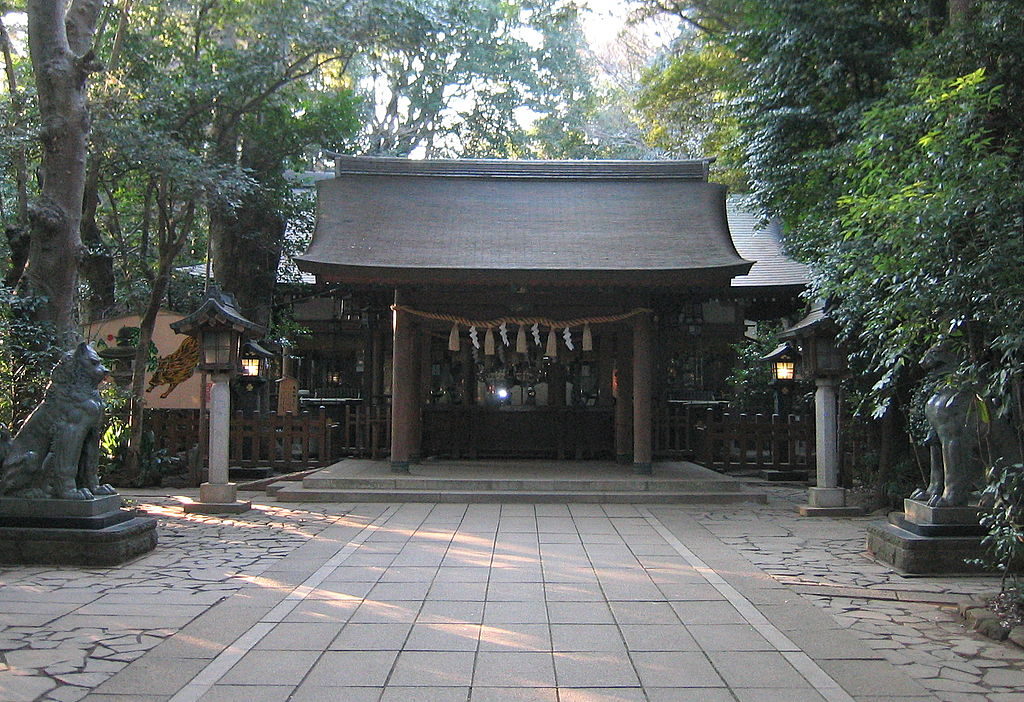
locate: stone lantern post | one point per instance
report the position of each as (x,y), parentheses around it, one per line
(823,360)
(219,328)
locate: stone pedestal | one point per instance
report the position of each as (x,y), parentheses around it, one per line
(94,532)
(929,540)
(217,498)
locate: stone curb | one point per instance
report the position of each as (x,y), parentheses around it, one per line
(983,620)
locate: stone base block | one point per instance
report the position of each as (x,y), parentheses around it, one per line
(24,507)
(790,475)
(899,519)
(826,497)
(222,493)
(643,469)
(234,507)
(810,511)
(923,555)
(920,513)
(109,546)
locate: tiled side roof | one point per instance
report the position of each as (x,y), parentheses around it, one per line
(763,245)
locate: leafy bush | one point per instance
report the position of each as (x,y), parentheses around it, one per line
(154,463)
(27,356)
(1004,520)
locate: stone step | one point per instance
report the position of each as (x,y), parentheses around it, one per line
(310,494)
(416,483)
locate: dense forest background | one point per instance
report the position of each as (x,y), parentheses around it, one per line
(139,137)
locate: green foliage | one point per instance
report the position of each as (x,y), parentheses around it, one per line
(687,100)
(27,355)
(927,242)
(750,381)
(154,463)
(455,78)
(1004,520)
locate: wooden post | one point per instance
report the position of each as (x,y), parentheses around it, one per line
(556,384)
(624,398)
(468,374)
(403,390)
(605,369)
(643,358)
(423,387)
(287,386)
(377,365)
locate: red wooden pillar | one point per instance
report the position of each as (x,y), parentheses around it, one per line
(404,390)
(643,403)
(623,398)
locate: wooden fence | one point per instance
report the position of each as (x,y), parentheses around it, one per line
(308,440)
(734,441)
(364,431)
(678,429)
(283,442)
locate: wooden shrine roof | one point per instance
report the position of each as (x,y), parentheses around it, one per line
(630,223)
(762,243)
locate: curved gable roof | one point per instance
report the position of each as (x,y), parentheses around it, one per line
(629,223)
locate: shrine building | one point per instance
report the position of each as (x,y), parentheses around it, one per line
(530,308)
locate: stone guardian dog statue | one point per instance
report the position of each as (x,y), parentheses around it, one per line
(56,452)
(965,438)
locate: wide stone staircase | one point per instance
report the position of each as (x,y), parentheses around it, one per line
(529,481)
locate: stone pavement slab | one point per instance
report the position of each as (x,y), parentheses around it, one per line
(496,602)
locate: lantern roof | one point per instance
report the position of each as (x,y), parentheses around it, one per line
(219,310)
(251,348)
(783,352)
(816,323)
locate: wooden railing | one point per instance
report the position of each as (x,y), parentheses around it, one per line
(677,429)
(733,441)
(283,442)
(311,439)
(364,431)
(176,431)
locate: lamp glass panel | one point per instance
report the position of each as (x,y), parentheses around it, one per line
(217,347)
(785,370)
(250,365)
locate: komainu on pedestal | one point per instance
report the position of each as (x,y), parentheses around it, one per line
(56,453)
(966,437)
(53,507)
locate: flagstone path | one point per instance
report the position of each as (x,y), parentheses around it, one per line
(496,602)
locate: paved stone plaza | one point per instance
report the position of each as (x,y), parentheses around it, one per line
(573,603)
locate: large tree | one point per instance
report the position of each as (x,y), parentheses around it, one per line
(60,37)
(887,137)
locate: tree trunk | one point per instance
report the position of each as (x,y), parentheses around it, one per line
(97,266)
(60,48)
(960,11)
(98,263)
(174,234)
(137,407)
(246,241)
(246,245)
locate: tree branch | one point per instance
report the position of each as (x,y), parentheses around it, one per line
(80,25)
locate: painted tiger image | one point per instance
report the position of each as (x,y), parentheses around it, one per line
(177,367)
